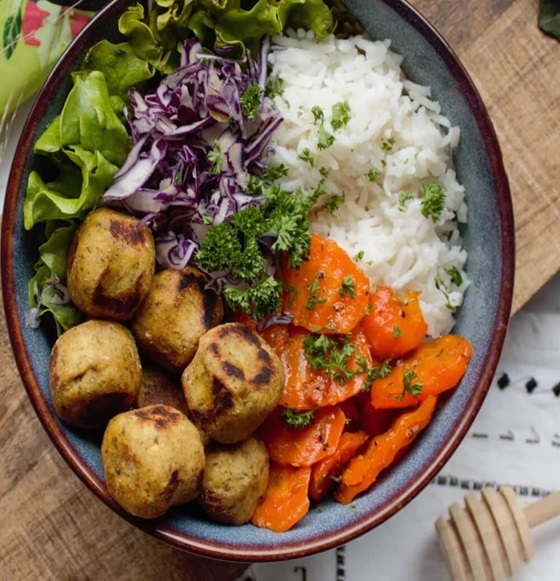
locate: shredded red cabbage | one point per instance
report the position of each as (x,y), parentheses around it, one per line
(195,149)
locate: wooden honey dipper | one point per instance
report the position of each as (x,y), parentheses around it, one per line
(487,540)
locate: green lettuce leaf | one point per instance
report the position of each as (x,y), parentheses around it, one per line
(231,25)
(51,266)
(81,181)
(88,119)
(549,17)
(158,41)
(120,66)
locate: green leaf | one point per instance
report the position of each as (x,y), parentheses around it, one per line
(51,268)
(88,119)
(549,17)
(11,33)
(82,179)
(227,25)
(120,66)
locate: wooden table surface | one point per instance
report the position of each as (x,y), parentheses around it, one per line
(54,528)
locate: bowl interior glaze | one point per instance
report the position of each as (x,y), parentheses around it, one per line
(483,319)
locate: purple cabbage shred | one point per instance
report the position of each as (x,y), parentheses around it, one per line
(194,150)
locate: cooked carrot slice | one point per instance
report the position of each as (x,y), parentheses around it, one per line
(285,500)
(372,420)
(329,292)
(325,471)
(307,387)
(363,470)
(394,325)
(303,446)
(430,369)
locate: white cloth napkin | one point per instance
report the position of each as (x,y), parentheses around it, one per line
(514,440)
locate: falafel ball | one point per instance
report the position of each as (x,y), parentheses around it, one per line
(157,387)
(111,265)
(233,383)
(94,373)
(235,480)
(178,310)
(153,459)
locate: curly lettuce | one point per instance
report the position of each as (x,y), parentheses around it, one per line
(227,27)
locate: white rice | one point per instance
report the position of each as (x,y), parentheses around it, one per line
(401,249)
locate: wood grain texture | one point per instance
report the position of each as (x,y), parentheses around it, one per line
(516,69)
(53,527)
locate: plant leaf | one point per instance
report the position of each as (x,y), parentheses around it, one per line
(549,17)
(11,33)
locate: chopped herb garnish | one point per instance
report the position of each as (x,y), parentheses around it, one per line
(233,251)
(340,114)
(385,368)
(325,139)
(250,101)
(272,174)
(359,256)
(297,419)
(373,174)
(330,355)
(347,287)
(324,172)
(318,115)
(306,156)
(455,276)
(433,201)
(215,159)
(444,289)
(374,372)
(333,203)
(275,87)
(414,389)
(396,332)
(388,144)
(313,299)
(404,198)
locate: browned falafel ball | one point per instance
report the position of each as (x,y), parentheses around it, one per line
(178,310)
(233,383)
(153,459)
(111,265)
(235,480)
(94,373)
(157,387)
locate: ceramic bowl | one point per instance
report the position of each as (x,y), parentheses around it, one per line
(483,318)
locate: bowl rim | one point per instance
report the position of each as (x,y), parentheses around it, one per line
(303,548)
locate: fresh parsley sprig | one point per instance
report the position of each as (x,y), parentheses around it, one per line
(433,201)
(297,419)
(236,251)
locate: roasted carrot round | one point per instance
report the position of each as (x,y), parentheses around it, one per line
(430,369)
(394,325)
(329,292)
(303,446)
(362,471)
(372,420)
(285,500)
(320,370)
(324,472)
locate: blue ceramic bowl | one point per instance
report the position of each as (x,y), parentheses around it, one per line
(483,319)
